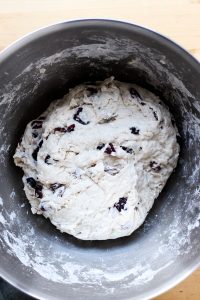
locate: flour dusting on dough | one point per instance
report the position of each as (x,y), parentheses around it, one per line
(96,160)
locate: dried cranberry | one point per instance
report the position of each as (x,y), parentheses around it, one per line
(55,186)
(121,203)
(155,166)
(37,124)
(110,149)
(46,160)
(42,208)
(36,185)
(154,114)
(38,190)
(152,163)
(40,144)
(123,148)
(128,150)
(35,152)
(34,134)
(31,181)
(100,146)
(65,129)
(79,110)
(70,128)
(134,130)
(60,129)
(78,119)
(134,93)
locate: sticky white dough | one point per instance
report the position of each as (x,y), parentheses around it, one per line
(96,160)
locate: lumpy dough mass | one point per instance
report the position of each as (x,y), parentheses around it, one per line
(96,160)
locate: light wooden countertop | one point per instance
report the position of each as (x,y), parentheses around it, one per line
(177,19)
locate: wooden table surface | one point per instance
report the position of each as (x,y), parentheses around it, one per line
(177,19)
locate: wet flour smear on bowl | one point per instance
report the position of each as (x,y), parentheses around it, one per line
(96,160)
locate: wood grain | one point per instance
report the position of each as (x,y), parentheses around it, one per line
(177,19)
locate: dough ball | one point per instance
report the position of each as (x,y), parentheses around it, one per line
(96,160)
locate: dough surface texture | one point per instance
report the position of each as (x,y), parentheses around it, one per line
(95,161)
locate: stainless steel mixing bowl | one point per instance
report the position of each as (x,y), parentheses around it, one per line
(35,257)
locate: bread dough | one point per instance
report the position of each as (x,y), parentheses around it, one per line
(96,160)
